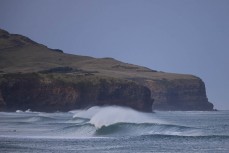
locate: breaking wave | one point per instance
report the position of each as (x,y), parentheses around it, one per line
(110,121)
(133,129)
(105,116)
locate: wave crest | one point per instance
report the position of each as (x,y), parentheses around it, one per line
(105,116)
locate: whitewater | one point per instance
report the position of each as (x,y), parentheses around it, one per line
(114,129)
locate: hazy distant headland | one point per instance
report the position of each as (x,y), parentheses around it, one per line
(33,76)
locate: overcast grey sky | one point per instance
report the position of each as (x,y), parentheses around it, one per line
(180,36)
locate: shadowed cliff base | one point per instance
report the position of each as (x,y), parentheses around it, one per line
(40,92)
(33,76)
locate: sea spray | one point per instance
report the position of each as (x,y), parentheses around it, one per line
(86,114)
(119,121)
(114,114)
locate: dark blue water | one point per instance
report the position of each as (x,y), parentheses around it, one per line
(114,129)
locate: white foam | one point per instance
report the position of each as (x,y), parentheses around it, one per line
(28,111)
(105,116)
(19,111)
(87,114)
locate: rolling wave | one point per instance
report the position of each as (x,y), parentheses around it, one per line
(111,121)
(134,129)
(121,121)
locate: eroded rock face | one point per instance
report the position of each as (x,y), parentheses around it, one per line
(30,91)
(179,94)
(51,80)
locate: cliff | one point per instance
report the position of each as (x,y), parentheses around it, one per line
(39,92)
(179,94)
(33,76)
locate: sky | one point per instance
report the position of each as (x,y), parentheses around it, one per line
(179,36)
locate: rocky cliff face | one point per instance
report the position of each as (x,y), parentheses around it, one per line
(33,76)
(33,91)
(179,94)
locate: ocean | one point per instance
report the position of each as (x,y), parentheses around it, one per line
(114,129)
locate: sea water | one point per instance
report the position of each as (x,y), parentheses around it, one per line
(114,129)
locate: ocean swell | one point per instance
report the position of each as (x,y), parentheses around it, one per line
(121,121)
(110,121)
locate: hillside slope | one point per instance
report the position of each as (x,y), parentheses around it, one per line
(37,77)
